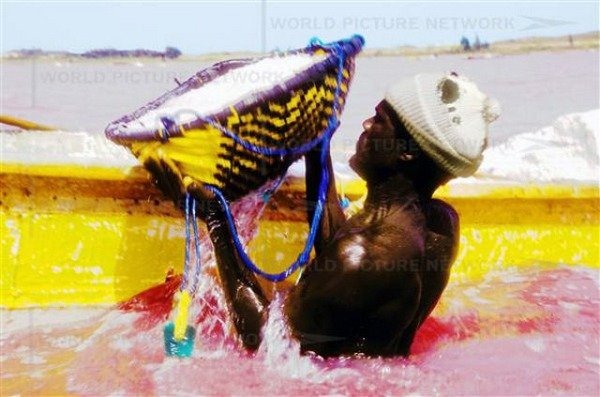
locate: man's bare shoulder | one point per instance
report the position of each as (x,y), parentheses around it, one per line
(442,218)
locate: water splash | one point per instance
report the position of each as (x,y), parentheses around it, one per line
(280,352)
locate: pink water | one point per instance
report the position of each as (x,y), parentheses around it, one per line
(520,331)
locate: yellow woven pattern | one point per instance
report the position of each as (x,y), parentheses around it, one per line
(208,156)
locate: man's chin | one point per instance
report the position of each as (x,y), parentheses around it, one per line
(354,165)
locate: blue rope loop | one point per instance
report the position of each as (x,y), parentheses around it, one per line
(196,248)
(191,223)
(267,151)
(186,263)
(303,258)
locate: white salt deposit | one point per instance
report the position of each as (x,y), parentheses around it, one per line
(228,89)
(566,151)
(61,147)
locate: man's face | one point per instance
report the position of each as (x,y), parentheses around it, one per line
(379,147)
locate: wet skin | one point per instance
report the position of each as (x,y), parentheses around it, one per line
(377,275)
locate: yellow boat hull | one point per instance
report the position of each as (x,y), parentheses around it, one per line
(75,234)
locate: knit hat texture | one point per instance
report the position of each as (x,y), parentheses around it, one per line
(448,116)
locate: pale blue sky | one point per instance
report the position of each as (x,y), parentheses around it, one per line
(198,27)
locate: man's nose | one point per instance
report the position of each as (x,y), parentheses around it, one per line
(367,123)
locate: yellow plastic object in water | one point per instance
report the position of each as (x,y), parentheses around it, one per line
(179,337)
(181,319)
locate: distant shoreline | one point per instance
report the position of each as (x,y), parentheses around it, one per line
(584,41)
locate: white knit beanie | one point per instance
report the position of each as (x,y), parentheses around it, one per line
(448,117)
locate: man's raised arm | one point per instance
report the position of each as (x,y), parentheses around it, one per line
(333,215)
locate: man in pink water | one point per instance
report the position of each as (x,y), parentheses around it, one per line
(379,274)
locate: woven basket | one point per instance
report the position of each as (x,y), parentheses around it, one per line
(240,123)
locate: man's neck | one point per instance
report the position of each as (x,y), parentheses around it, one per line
(395,189)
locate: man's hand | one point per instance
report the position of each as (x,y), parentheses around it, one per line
(198,190)
(207,205)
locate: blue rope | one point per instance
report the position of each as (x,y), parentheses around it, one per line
(304,255)
(332,124)
(266,150)
(190,206)
(197,249)
(186,264)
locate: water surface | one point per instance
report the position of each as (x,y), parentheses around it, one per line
(521,331)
